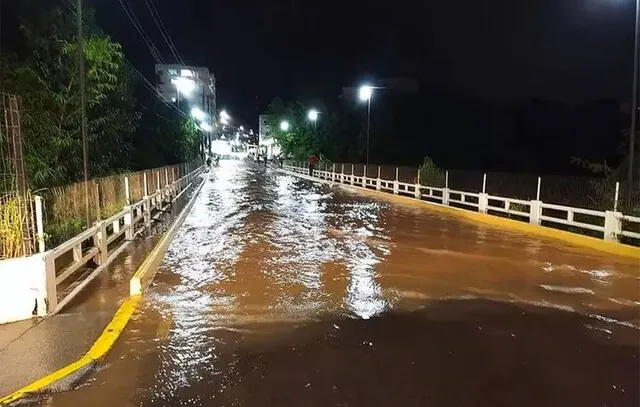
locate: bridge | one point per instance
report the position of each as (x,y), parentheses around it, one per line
(278,289)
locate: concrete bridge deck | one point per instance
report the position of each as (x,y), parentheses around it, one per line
(282,291)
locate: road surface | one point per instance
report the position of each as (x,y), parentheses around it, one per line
(279,291)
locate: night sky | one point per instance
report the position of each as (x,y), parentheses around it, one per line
(567,50)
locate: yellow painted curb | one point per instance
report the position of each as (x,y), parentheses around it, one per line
(576,239)
(153,260)
(97,352)
(110,334)
(614,248)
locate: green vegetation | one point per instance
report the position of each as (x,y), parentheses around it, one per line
(40,66)
(430,174)
(42,70)
(303,139)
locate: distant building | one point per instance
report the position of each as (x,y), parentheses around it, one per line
(266,141)
(201,96)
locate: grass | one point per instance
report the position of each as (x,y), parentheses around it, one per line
(12,216)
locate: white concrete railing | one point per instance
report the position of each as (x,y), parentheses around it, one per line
(612,225)
(102,234)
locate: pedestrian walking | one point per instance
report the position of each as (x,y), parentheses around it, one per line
(312,161)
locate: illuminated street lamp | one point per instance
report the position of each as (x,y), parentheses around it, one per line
(284,125)
(313,116)
(634,98)
(205,126)
(241,128)
(198,114)
(365,94)
(224,117)
(184,85)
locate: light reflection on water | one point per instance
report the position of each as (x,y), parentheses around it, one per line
(260,250)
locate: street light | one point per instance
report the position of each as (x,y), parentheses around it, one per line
(205,126)
(198,114)
(241,128)
(634,97)
(313,116)
(184,85)
(284,125)
(365,94)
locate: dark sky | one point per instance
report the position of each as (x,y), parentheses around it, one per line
(498,50)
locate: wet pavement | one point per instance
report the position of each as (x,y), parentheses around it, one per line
(278,291)
(31,349)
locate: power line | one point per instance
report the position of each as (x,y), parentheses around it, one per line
(136,24)
(163,30)
(145,82)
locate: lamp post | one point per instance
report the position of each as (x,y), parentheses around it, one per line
(313,116)
(365,94)
(634,98)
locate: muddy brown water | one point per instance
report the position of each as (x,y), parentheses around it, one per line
(283,292)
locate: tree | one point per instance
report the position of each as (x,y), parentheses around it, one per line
(303,138)
(46,79)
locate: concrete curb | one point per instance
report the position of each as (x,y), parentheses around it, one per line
(488,219)
(68,377)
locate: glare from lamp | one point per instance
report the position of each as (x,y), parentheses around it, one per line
(197,113)
(365,92)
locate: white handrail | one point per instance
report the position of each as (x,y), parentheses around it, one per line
(101,239)
(614,222)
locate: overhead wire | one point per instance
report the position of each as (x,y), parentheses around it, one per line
(136,24)
(145,82)
(163,30)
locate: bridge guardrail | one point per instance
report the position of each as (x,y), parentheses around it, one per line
(608,225)
(94,243)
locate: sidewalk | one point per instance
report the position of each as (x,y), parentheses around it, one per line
(34,348)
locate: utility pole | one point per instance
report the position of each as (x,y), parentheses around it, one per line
(83,110)
(634,99)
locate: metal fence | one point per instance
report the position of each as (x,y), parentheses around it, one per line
(64,207)
(71,265)
(588,205)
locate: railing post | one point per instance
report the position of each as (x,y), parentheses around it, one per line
(535,208)
(158,191)
(146,206)
(418,191)
(100,242)
(353,181)
(50,284)
(396,185)
(128,223)
(612,226)
(445,191)
(97,189)
(378,181)
(364,178)
(333,174)
(342,174)
(483,197)
(127,193)
(39,224)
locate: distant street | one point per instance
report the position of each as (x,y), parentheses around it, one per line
(283,292)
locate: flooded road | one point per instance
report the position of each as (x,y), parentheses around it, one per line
(282,292)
